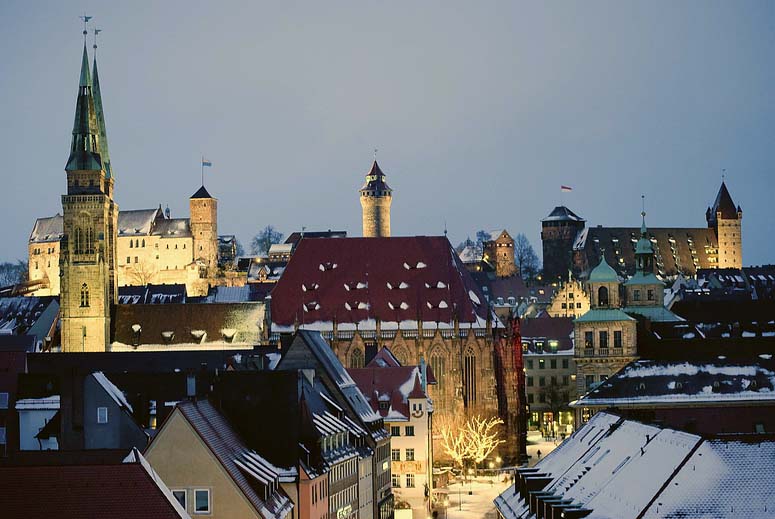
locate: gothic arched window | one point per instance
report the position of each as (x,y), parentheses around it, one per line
(401,355)
(89,240)
(143,242)
(78,241)
(439,367)
(602,296)
(469,377)
(356,358)
(84,295)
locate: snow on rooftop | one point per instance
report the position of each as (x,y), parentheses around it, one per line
(111,389)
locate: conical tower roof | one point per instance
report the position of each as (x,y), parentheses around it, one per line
(644,245)
(375,181)
(104,153)
(84,147)
(724,204)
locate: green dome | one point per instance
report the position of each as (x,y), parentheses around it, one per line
(603,273)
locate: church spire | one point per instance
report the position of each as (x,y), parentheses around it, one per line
(103,140)
(84,148)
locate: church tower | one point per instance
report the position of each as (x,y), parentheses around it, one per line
(644,288)
(204,229)
(727,220)
(88,248)
(376,197)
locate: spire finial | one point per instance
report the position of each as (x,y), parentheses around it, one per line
(375,154)
(96,33)
(723,174)
(85,19)
(643,215)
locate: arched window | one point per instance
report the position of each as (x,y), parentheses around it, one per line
(469,377)
(401,355)
(78,241)
(143,242)
(89,240)
(137,243)
(84,295)
(131,244)
(602,296)
(439,367)
(356,358)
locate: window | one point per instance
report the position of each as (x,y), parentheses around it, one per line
(578,305)
(395,479)
(529,364)
(542,398)
(759,428)
(410,430)
(554,380)
(469,378)
(84,295)
(102,415)
(395,454)
(563,306)
(395,431)
(603,339)
(530,398)
(650,294)
(202,501)
(128,260)
(131,244)
(541,381)
(438,366)
(143,242)
(617,338)
(565,363)
(636,295)
(553,363)
(410,481)
(539,347)
(589,380)
(589,339)
(180,495)
(602,296)
(409,454)
(570,295)
(3,400)
(356,358)
(529,381)
(135,259)
(541,364)
(565,380)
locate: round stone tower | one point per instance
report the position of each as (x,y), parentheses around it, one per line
(376,197)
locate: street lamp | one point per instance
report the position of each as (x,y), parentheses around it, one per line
(470,482)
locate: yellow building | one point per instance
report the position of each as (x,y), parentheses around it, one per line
(569,300)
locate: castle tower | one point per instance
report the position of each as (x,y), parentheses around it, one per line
(558,232)
(376,197)
(499,251)
(727,220)
(88,254)
(204,229)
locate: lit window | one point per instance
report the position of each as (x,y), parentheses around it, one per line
(3,400)
(202,501)
(102,415)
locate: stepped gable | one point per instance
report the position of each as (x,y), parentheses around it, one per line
(359,280)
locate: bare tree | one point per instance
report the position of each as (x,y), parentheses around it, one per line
(483,436)
(267,237)
(525,257)
(13,273)
(142,273)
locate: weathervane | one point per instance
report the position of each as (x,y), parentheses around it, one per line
(96,32)
(723,174)
(375,154)
(85,19)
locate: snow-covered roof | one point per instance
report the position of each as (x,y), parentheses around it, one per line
(617,468)
(38,404)
(110,388)
(711,382)
(47,229)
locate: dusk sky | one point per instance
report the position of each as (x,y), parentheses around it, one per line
(480,111)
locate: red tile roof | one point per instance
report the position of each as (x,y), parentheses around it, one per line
(86,491)
(358,280)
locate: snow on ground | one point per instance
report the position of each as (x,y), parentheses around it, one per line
(479,504)
(535,443)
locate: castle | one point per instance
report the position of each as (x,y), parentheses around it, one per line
(138,247)
(568,245)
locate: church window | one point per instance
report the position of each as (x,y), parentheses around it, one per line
(469,377)
(602,296)
(636,295)
(78,242)
(438,363)
(89,240)
(356,358)
(84,295)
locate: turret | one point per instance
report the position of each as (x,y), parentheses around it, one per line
(726,219)
(376,198)
(204,229)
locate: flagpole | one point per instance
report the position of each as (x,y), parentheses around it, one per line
(202,163)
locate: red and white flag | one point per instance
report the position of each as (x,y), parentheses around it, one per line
(565,189)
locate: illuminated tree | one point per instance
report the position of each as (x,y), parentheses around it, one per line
(483,437)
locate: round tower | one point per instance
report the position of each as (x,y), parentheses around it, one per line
(376,197)
(204,229)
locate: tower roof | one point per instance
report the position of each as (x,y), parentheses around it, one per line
(562,214)
(375,181)
(201,193)
(84,148)
(724,204)
(104,153)
(644,245)
(603,273)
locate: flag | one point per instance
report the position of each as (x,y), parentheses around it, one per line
(565,189)
(206,163)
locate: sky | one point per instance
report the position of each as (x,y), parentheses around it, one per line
(479,111)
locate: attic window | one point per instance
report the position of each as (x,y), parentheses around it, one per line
(642,386)
(418,265)
(168,335)
(308,287)
(327,266)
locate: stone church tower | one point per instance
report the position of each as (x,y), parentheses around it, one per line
(88,247)
(204,229)
(376,197)
(726,220)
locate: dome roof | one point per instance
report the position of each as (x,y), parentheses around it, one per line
(603,273)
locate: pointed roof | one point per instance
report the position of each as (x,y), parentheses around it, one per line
(562,214)
(375,181)
(724,204)
(84,148)
(104,153)
(603,273)
(201,193)
(644,245)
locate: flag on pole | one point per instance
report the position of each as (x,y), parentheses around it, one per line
(206,163)
(565,189)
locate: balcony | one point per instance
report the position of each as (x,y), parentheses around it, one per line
(618,352)
(602,352)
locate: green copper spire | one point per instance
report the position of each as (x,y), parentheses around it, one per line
(84,148)
(103,140)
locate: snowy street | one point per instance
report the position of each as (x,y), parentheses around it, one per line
(477,505)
